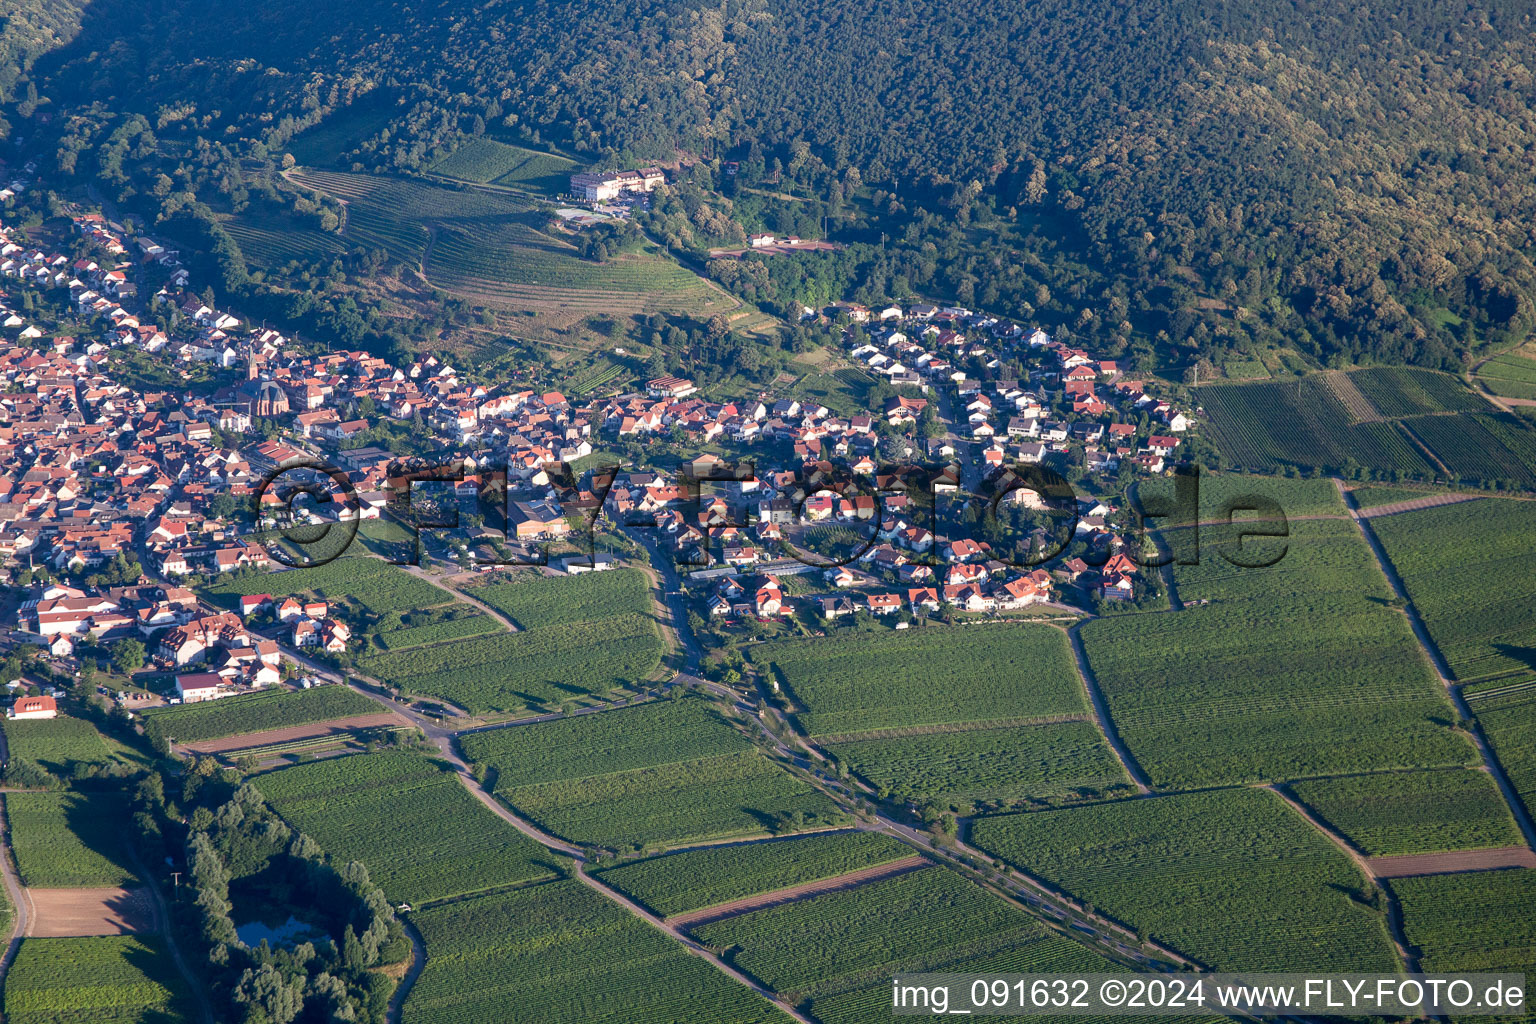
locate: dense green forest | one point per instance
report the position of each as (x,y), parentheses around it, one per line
(1209,180)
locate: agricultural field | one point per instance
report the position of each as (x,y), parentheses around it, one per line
(255,712)
(843,944)
(1449,559)
(1398,391)
(1235,879)
(1475,921)
(1061,760)
(486,160)
(327,143)
(676,883)
(563,954)
(1508,721)
(441,631)
(666,772)
(102,980)
(1413,812)
(491,247)
(537,601)
(1296,670)
(1223,495)
(1303,423)
(1511,375)
(987,674)
(509,671)
(419,831)
(1376,495)
(367,584)
(1483,450)
(59,744)
(68,840)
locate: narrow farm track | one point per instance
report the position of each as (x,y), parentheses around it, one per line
(1414,504)
(459,595)
(1394,911)
(163,926)
(579,872)
(794,893)
(418,964)
(21,923)
(1101,713)
(1438,665)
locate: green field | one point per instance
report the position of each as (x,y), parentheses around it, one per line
(509,671)
(256,712)
(1052,761)
(1377,495)
(365,583)
(839,948)
(59,744)
(1482,450)
(1413,812)
(666,772)
(1398,391)
(1233,878)
(68,840)
(492,247)
(1512,375)
(327,142)
(1508,720)
(1475,921)
(538,601)
(1448,558)
(419,831)
(102,980)
(486,160)
(562,954)
(1223,495)
(693,879)
(438,632)
(852,683)
(1269,425)
(1295,670)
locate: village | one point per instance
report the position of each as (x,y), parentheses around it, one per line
(117,502)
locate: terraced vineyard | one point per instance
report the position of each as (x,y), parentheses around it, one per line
(1234,878)
(1295,670)
(666,772)
(490,246)
(562,954)
(1476,921)
(679,882)
(255,712)
(486,160)
(509,671)
(1052,761)
(837,950)
(59,744)
(538,601)
(1413,812)
(103,980)
(1447,556)
(421,834)
(68,840)
(987,674)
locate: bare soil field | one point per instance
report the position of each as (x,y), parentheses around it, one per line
(70,912)
(1449,863)
(298,732)
(1428,501)
(799,892)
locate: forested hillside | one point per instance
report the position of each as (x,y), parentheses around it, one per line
(1351,182)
